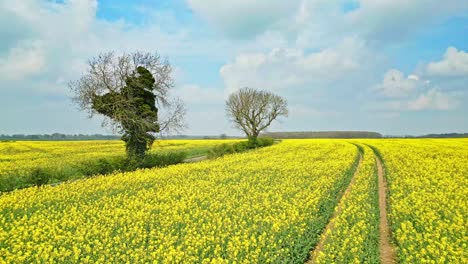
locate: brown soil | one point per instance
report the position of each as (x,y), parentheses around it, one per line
(331,223)
(387,253)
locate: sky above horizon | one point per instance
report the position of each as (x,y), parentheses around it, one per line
(392,66)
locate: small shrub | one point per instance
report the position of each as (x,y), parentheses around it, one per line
(221,150)
(265,141)
(241,146)
(161,160)
(40,176)
(104,166)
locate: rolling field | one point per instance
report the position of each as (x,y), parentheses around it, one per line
(72,159)
(300,200)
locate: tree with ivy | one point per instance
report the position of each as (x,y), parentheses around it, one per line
(130,91)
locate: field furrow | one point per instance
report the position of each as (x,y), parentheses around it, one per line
(427,188)
(353,236)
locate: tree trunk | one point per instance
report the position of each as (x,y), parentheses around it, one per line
(253,140)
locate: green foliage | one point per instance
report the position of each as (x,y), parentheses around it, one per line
(264,142)
(164,159)
(40,176)
(133,108)
(101,166)
(242,146)
(221,150)
(11,182)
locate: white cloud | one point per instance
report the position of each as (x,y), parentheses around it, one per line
(53,21)
(66,35)
(454,63)
(395,84)
(391,20)
(315,22)
(434,100)
(22,61)
(415,93)
(431,99)
(245,18)
(294,47)
(55,40)
(282,69)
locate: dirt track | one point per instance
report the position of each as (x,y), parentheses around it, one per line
(387,253)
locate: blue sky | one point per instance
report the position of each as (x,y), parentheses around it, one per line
(391,66)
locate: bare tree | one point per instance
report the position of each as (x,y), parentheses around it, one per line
(132,92)
(173,119)
(252,111)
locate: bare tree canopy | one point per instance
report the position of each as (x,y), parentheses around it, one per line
(132,92)
(252,111)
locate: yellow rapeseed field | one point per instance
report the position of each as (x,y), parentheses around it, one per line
(354,237)
(19,157)
(428,190)
(269,205)
(264,206)
(68,160)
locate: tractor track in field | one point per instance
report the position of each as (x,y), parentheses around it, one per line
(331,222)
(387,252)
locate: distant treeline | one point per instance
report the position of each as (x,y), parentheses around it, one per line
(304,134)
(446,135)
(324,134)
(58,136)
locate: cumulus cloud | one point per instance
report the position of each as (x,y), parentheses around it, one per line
(53,40)
(66,34)
(22,61)
(433,99)
(315,22)
(454,63)
(288,68)
(391,20)
(244,18)
(395,84)
(414,93)
(287,46)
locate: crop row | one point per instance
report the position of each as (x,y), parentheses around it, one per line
(428,190)
(354,237)
(264,206)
